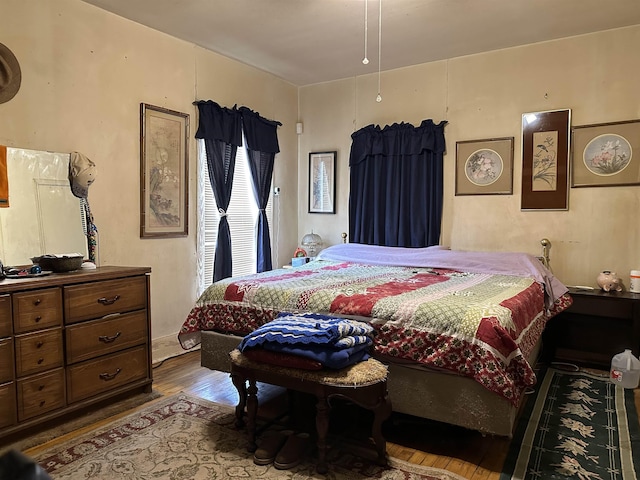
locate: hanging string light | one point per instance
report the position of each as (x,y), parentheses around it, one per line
(379,97)
(365,60)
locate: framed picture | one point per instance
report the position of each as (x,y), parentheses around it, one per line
(484,167)
(164,172)
(603,154)
(545,160)
(322,182)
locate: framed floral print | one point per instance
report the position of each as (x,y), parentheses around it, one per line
(164,172)
(603,154)
(545,160)
(484,167)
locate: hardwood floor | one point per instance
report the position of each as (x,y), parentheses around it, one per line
(464,452)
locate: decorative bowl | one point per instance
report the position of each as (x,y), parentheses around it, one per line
(58,263)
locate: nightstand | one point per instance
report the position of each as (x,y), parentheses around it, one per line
(594,328)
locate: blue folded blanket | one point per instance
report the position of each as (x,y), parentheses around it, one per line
(329,357)
(335,342)
(310,328)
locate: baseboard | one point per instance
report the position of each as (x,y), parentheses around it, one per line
(167,347)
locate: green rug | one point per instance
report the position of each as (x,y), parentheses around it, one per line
(576,425)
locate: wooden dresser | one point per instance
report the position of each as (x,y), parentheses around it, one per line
(71,340)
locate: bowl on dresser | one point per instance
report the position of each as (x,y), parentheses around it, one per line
(59,263)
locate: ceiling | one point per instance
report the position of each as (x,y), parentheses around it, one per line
(313,41)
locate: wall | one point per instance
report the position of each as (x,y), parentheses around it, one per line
(84,74)
(484,96)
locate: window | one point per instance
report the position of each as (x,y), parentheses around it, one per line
(242,216)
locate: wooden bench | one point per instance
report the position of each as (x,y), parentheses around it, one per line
(364,384)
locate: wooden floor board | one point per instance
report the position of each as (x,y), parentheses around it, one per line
(464,452)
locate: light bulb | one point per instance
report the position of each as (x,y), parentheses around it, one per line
(379,98)
(365,60)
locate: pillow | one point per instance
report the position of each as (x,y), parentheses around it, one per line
(281,359)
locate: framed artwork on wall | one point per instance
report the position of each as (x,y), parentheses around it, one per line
(603,154)
(484,167)
(322,182)
(164,172)
(545,160)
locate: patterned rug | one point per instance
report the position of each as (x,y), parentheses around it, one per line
(577,425)
(184,437)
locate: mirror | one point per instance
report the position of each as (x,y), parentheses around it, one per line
(43,215)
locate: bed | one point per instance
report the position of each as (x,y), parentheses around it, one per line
(459,330)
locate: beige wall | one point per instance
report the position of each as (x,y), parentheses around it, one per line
(484,96)
(84,74)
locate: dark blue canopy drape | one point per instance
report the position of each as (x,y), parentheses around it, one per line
(396,185)
(221,130)
(262,146)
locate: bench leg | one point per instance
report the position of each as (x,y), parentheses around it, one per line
(252,410)
(381,413)
(241,386)
(322,429)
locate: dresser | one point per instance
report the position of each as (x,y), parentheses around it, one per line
(594,328)
(72,340)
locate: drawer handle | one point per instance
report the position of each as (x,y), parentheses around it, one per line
(108,301)
(40,388)
(42,402)
(110,376)
(39,344)
(107,339)
(38,318)
(37,302)
(40,360)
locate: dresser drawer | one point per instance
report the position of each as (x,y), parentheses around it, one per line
(99,337)
(37,352)
(6,360)
(5,316)
(106,373)
(95,300)
(40,394)
(7,404)
(37,309)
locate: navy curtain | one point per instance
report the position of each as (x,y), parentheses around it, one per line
(396,185)
(221,130)
(262,146)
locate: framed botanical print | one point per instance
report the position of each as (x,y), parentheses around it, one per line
(322,182)
(484,167)
(606,154)
(545,160)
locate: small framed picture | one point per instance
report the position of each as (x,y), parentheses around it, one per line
(164,172)
(545,160)
(484,167)
(322,182)
(603,154)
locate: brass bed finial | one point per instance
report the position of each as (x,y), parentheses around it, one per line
(344,237)
(546,246)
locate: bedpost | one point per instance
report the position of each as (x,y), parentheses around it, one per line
(546,246)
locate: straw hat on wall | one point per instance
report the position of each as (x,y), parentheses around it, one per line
(10,75)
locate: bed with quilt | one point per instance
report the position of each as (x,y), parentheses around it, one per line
(459,330)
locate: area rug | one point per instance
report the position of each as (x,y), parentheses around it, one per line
(185,437)
(81,419)
(577,425)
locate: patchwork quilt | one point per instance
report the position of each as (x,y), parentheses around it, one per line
(481,325)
